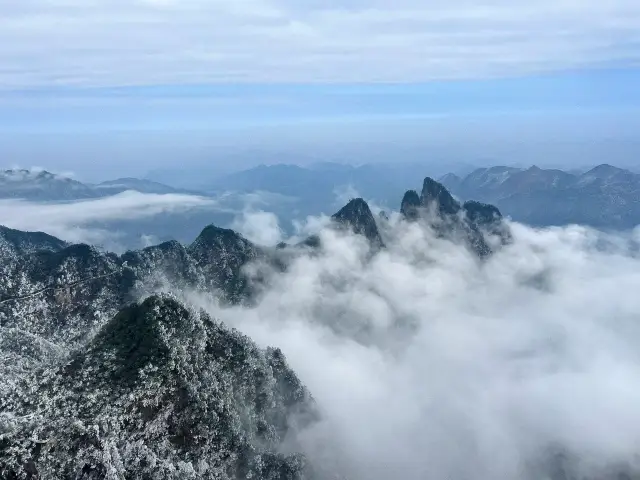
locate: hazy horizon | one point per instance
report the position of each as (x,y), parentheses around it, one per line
(96,88)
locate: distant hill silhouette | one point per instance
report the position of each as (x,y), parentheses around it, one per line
(604,197)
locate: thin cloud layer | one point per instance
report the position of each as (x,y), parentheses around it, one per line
(259,227)
(160,42)
(427,363)
(76,221)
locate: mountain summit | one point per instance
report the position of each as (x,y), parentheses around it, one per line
(435,194)
(471,221)
(357,216)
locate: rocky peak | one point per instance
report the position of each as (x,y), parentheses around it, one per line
(487,220)
(410,205)
(221,255)
(481,214)
(477,218)
(218,238)
(434,193)
(357,216)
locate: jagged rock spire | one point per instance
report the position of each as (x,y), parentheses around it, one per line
(410,205)
(434,193)
(357,216)
(469,221)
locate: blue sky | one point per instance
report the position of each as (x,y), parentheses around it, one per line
(77,77)
(221,106)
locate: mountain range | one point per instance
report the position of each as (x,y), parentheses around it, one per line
(604,197)
(41,185)
(109,372)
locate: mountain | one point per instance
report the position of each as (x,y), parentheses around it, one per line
(113,187)
(43,186)
(477,224)
(62,293)
(161,391)
(16,242)
(603,197)
(357,217)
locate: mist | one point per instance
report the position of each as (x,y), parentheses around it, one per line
(426,362)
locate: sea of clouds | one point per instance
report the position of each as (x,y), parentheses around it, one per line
(429,363)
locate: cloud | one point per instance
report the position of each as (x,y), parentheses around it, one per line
(160,42)
(88,221)
(427,363)
(259,227)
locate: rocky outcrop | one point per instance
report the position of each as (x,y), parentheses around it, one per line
(410,205)
(221,254)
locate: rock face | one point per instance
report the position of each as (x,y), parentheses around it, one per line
(357,217)
(162,391)
(221,254)
(410,205)
(435,194)
(472,222)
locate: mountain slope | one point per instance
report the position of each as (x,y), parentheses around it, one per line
(162,391)
(65,295)
(16,242)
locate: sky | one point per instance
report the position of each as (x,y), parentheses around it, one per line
(128,85)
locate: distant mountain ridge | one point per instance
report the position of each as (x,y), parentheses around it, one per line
(41,185)
(604,197)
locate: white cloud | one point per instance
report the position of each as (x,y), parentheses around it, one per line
(259,227)
(100,42)
(76,221)
(429,364)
